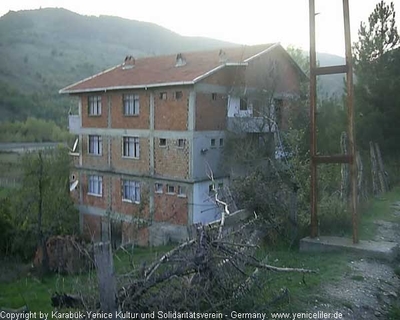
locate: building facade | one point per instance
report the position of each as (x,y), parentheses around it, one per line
(151,130)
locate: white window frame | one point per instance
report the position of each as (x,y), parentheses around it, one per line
(213,143)
(131,104)
(162,145)
(95,185)
(181,143)
(95,145)
(172,186)
(94,105)
(130,147)
(178,95)
(181,191)
(130,191)
(158,187)
(221,142)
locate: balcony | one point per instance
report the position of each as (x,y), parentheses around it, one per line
(74,123)
(250,124)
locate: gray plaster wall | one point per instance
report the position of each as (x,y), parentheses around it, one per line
(205,156)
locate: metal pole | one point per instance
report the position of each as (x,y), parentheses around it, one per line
(350,115)
(313,138)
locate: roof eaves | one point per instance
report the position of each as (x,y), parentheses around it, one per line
(141,86)
(65,90)
(209,73)
(262,52)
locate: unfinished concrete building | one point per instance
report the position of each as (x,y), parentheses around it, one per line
(151,128)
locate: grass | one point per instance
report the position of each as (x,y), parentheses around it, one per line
(377,208)
(4,192)
(10,164)
(27,289)
(302,288)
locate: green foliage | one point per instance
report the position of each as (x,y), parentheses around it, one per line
(377,68)
(6,225)
(379,36)
(21,209)
(32,130)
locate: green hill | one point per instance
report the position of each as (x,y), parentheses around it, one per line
(44,50)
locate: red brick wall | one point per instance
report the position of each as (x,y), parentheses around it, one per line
(141,165)
(228,76)
(171,161)
(171,114)
(284,77)
(135,210)
(94,121)
(170,208)
(91,227)
(131,233)
(91,200)
(119,120)
(210,114)
(94,160)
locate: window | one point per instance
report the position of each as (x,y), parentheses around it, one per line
(95,185)
(163,142)
(94,105)
(220,186)
(181,191)
(95,145)
(243,104)
(131,104)
(181,143)
(158,188)
(212,143)
(130,147)
(131,191)
(170,188)
(221,142)
(214,96)
(163,96)
(178,95)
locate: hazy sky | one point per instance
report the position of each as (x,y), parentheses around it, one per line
(244,22)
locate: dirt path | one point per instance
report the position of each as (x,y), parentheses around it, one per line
(371,287)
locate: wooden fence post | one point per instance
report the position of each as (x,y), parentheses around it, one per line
(106,277)
(374,169)
(344,187)
(381,169)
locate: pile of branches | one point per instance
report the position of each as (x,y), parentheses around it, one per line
(211,272)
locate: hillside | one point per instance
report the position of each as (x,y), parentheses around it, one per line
(330,84)
(44,50)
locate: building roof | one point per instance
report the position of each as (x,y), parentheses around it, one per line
(162,70)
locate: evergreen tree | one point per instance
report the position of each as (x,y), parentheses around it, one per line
(376,88)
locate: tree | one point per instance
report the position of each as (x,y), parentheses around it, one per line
(379,36)
(376,91)
(43,206)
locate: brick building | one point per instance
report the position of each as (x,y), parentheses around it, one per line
(149,128)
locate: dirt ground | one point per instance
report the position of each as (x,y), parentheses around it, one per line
(371,288)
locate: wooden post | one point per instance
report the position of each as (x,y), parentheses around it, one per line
(374,169)
(344,187)
(381,169)
(106,277)
(360,177)
(293,212)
